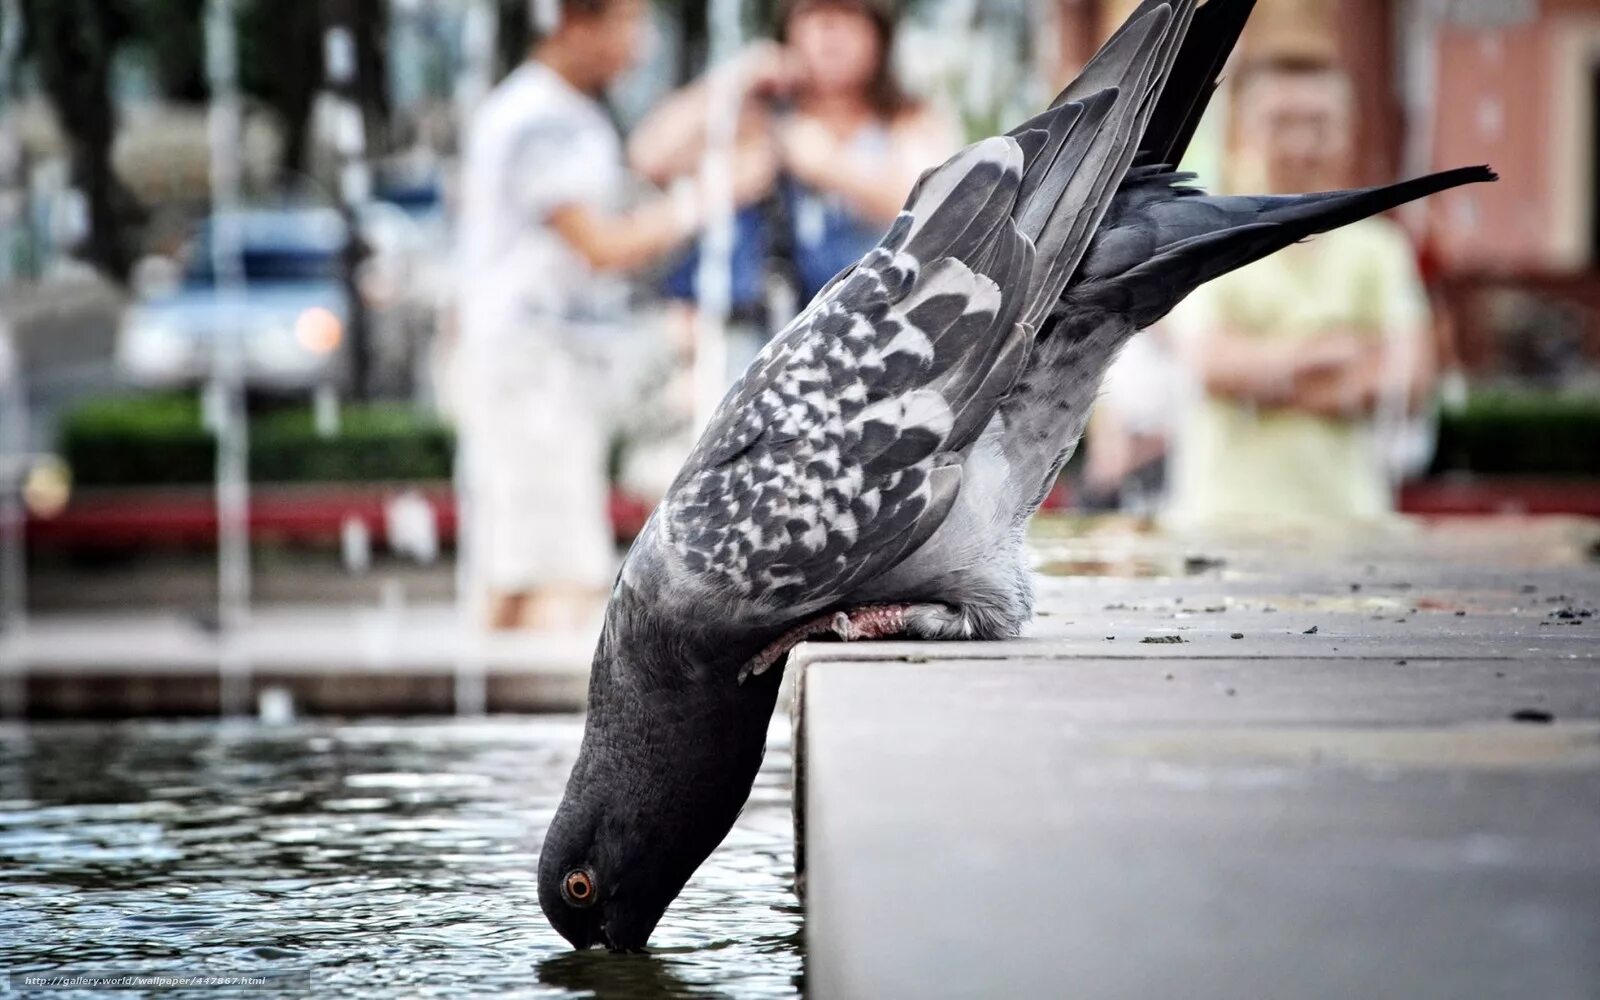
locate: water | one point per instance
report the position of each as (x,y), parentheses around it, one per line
(385,858)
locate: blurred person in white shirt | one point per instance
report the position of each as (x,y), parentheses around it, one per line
(545,241)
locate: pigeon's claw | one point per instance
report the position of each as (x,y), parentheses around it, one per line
(878,621)
(881,621)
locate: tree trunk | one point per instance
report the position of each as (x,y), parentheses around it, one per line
(280,63)
(372,71)
(174,33)
(72,43)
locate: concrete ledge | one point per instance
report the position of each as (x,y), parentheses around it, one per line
(1387,785)
(1093,829)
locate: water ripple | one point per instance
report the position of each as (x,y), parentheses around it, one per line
(387,858)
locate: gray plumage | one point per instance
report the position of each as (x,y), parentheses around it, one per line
(886,450)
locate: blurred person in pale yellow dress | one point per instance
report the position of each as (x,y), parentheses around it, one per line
(545,242)
(1304,359)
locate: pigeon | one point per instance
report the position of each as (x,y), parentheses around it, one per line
(872,473)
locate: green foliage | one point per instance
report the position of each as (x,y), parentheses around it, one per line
(156,440)
(1523,433)
(160,440)
(376,442)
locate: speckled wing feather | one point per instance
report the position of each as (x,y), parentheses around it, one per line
(836,453)
(840,450)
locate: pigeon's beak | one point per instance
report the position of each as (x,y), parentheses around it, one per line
(578,936)
(584,933)
(619,942)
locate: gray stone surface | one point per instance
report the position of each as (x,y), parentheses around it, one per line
(1349,813)
(331,659)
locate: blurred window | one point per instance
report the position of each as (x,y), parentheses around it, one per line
(267,265)
(284,250)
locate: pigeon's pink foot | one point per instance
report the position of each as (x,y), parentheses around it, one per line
(874,621)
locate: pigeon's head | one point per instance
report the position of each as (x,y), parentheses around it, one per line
(597,885)
(666,765)
(609,868)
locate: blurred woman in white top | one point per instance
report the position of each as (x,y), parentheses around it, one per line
(822,109)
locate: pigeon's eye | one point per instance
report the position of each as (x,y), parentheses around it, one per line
(578,887)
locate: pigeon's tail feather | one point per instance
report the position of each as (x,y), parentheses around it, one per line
(1211,39)
(1311,214)
(1227,233)
(1108,66)
(1071,176)
(1185,87)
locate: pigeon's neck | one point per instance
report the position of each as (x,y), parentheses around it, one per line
(660,642)
(658,684)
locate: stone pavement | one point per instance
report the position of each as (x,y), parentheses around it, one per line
(1298,768)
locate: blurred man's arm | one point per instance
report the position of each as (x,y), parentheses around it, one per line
(672,139)
(627,242)
(645,235)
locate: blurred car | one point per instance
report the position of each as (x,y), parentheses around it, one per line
(290,315)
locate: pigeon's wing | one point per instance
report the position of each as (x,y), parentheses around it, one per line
(839,452)
(835,454)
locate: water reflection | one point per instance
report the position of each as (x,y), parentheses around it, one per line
(384,857)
